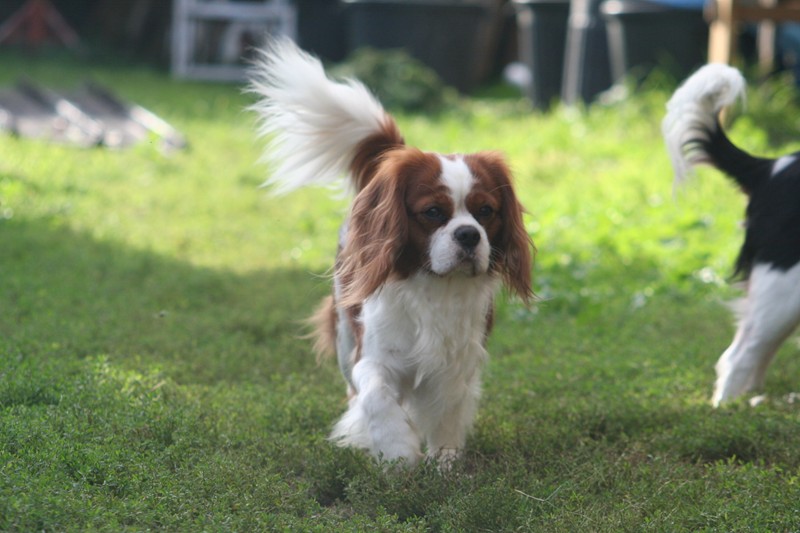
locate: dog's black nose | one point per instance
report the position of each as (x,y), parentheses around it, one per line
(467,236)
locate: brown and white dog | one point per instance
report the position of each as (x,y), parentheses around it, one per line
(428,241)
(769,260)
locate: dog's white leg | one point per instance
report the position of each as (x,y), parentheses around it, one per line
(448,438)
(448,435)
(375,419)
(771,312)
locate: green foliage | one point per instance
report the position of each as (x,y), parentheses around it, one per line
(153,374)
(400,82)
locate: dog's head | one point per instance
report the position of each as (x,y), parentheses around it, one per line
(446,215)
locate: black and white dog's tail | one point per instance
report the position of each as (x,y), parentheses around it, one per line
(693,133)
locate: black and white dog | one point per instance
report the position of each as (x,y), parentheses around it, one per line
(769,260)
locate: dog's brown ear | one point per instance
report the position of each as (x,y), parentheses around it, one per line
(513,249)
(517,247)
(376,234)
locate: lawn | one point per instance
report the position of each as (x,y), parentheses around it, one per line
(153,374)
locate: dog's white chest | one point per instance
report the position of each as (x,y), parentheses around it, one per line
(429,326)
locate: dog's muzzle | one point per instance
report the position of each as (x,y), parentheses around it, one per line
(467,237)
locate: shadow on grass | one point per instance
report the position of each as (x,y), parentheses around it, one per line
(68,297)
(65,294)
(630,430)
(591,453)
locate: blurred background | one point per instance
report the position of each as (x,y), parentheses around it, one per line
(553,50)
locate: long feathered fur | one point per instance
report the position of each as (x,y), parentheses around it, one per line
(313,125)
(692,115)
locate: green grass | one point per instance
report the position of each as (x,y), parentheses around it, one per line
(152,374)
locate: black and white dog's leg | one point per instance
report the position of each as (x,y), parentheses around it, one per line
(770,313)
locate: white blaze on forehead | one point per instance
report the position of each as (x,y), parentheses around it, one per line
(446,254)
(458,178)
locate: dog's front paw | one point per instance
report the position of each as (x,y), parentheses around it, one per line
(398,448)
(445,457)
(731,384)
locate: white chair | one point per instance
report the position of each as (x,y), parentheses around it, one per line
(209,37)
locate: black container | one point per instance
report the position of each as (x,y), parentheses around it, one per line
(587,71)
(321,28)
(448,36)
(643,35)
(542,35)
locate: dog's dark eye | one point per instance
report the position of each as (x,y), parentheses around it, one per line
(485,211)
(435,213)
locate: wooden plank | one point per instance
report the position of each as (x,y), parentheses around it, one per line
(779,13)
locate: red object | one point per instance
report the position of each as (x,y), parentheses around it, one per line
(36,23)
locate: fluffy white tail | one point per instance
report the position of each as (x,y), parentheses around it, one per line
(313,125)
(692,114)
